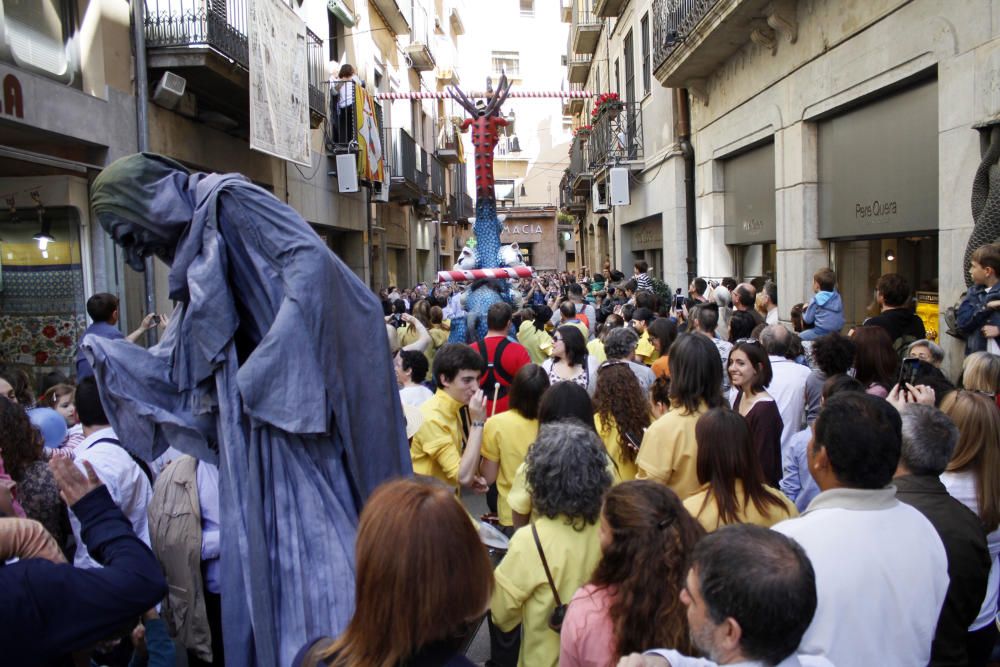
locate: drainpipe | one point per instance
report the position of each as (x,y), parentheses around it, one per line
(683,131)
(142,139)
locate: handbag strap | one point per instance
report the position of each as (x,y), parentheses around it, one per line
(545,564)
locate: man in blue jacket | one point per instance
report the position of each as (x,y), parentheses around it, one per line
(50,609)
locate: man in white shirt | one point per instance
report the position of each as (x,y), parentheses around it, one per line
(750,594)
(881,569)
(125,480)
(768,300)
(788,382)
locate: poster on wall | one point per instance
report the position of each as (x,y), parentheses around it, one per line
(279,94)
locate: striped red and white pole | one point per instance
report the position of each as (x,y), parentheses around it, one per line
(444,95)
(463,275)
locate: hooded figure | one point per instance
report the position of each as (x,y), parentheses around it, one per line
(274,365)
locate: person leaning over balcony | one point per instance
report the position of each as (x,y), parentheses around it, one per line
(342,90)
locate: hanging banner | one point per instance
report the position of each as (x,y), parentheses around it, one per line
(371,166)
(279,93)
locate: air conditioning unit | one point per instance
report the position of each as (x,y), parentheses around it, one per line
(347,173)
(618,179)
(380,192)
(169,90)
(599,199)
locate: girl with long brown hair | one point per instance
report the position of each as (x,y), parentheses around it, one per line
(621,415)
(632,602)
(423,579)
(973,478)
(727,465)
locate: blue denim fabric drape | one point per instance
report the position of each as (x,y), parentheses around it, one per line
(276,364)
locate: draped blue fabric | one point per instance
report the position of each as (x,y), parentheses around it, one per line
(276,365)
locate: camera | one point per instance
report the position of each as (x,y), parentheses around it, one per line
(156,319)
(908,371)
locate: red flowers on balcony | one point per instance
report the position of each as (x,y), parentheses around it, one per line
(606,103)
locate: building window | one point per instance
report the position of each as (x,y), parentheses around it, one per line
(528,8)
(336,36)
(629,68)
(505,192)
(508,62)
(38,37)
(646,79)
(618,78)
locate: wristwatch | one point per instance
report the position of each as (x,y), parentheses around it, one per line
(478,424)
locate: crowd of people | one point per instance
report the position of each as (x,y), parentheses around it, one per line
(687,480)
(678,480)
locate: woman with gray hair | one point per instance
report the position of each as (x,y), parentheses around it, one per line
(926,350)
(548,560)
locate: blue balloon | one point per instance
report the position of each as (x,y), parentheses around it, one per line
(51,424)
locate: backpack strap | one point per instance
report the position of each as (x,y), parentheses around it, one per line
(143,466)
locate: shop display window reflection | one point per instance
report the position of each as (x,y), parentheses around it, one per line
(42,301)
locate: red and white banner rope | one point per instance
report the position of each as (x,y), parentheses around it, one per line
(444,95)
(461,275)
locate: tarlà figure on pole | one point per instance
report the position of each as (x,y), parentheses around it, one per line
(985,202)
(485,123)
(275,364)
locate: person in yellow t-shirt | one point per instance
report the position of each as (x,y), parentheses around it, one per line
(567,473)
(436,448)
(734,490)
(669,450)
(532,335)
(644,351)
(621,415)
(508,435)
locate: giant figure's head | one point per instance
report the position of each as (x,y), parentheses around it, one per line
(145,202)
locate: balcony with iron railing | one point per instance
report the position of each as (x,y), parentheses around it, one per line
(585,30)
(616,137)
(460,207)
(568,201)
(437,193)
(693,38)
(316,64)
(574,105)
(578,68)
(418,51)
(205,43)
(403,162)
(609,8)
(581,173)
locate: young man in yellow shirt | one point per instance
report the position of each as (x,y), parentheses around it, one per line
(437,448)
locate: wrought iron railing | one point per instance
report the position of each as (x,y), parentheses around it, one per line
(462,207)
(585,15)
(579,161)
(437,178)
(673,21)
(219,24)
(617,136)
(316,64)
(401,150)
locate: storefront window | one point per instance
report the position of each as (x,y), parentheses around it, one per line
(42,304)
(757,261)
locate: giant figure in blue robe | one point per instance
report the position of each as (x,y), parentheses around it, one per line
(276,365)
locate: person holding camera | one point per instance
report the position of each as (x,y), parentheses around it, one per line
(103,310)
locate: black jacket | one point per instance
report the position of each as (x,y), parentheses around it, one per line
(964,539)
(49,609)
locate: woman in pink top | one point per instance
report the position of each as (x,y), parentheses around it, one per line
(626,607)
